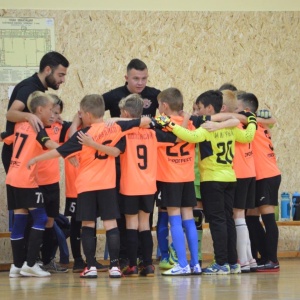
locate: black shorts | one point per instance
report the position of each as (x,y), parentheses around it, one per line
(244,197)
(179,194)
(51,194)
(217,198)
(130,205)
(23,198)
(70,208)
(94,204)
(267,191)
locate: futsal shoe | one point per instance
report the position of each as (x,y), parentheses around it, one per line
(214,268)
(178,271)
(165,264)
(34,271)
(147,271)
(196,270)
(89,273)
(14,272)
(115,272)
(269,266)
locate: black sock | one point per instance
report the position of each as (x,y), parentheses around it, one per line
(132,246)
(48,245)
(75,239)
(113,245)
(272,235)
(257,236)
(34,243)
(19,253)
(123,243)
(88,245)
(147,247)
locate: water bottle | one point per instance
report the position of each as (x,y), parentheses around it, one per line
(296,206)
(285,206)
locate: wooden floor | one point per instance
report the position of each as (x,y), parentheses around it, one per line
(284,285)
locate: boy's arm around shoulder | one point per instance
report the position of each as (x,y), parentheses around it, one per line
(247,135)
(87,140)
(45,156)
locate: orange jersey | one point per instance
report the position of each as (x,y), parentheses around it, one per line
(176,163)
(70,174)
(264,156)
(27,144)
(243,161)
(96,170)
(48,170)
(138,163)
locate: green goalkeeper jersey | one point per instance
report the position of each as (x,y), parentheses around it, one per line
(216,149)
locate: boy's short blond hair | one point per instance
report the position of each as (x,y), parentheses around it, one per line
(93,104)
(37,99)
(133,104)
(230,100)
(173,97)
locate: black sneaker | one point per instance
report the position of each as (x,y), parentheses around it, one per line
(100,267)
(131,271)
(78,266)
(269,266)
(147,271)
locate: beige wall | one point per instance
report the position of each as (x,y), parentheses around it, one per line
(156,5)
(194,51)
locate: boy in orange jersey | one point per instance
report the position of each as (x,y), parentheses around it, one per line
(23,193)
(268,178)
(71,173)
(175,176)
(139,163)
(48,176)
(96,180)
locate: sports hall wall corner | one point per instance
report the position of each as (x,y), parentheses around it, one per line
(192,47)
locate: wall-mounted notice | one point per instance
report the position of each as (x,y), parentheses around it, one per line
(23,41)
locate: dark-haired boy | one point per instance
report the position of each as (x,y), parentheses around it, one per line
(268,178)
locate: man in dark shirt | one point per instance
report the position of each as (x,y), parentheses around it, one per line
(136,80)
(52,72)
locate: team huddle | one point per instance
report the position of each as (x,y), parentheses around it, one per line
(216,164)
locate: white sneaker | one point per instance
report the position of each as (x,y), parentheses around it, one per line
(178,271)
(245,268)
(89,272)
(115,272)
(14,272)
(253,265)
(34,271)
(196,270)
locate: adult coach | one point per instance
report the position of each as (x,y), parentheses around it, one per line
(136,82)
(52,72)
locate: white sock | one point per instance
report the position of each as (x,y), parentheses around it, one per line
(242,240)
